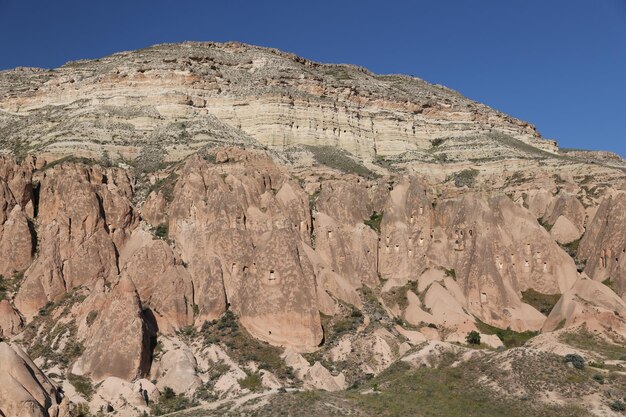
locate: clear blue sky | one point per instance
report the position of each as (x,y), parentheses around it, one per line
(560,64)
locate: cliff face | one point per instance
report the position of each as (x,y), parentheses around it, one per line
(203,214)
(196,93)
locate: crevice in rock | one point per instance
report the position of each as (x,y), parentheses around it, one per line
(33,237)
(151,329)
(36,192)
(101,212)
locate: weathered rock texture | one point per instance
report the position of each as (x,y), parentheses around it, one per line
(24,390)
(604,244)
(328,210)
(206,90)
(119,341)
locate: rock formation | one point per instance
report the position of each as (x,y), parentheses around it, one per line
(231,221)
(24,390)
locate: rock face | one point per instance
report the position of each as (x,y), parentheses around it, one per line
(246,214)
(496,249)
(119,342)
(16,208)
(77,237)
(178,370)
(604,244)
(591,304)
(10,321)
(163,284)
(276,98)
(24,390)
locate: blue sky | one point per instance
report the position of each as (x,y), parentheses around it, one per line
(559,64)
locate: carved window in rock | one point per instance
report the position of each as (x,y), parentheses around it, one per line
(421,211)
(234,267)
(330,234)
(397,248)
(272,275)
(483,297)
(412,219)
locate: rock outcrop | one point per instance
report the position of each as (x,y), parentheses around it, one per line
(78,237)
(604,244)
(24,390)
(119,343)
(591,304)
(10,321)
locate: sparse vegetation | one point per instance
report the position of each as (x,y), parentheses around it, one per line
(465,178)
(609,283)
(617,405)
(398,295)
(170,402)
(508,337)
(243,347)
(374,221)
(251,382)
(82,385)
(91,317)
(161,231)
(542,302)
(338,159)
(8,286)
(473,338)
(442,391)
(3,288)
(165,186)
(80,410)
(450,273)
(576,360)
(54,340)
(585,340)
(437,142)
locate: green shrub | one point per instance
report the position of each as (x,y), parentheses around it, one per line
(451,273)
(82,385)
(473,338)
(161,231)
(508,337)
(542,302)
(574,359)
(3,288)
(91,317)
(599,378)
(617,405)
(251,382)
(374,221)
(465,178)
(338,159)
(170,402)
